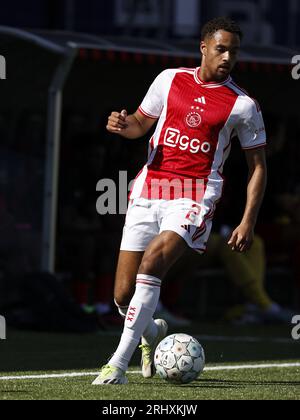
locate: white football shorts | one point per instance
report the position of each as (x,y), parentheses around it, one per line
(146,219)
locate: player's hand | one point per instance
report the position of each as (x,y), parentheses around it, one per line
(242,238)
(117,122)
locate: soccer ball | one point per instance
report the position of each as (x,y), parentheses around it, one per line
(179,359)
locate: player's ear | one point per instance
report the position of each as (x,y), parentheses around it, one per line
(203,48)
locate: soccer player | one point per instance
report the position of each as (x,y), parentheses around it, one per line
(174,197)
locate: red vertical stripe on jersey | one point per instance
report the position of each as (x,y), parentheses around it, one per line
(185,152)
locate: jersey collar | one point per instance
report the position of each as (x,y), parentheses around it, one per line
(209,85)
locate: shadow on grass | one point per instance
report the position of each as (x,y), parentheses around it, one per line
(218,384)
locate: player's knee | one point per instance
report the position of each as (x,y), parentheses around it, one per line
(152,266)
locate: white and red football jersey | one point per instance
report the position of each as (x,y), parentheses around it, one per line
(192,141)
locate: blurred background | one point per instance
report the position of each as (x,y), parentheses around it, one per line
(69,63)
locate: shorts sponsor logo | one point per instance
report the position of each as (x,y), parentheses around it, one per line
(173,138)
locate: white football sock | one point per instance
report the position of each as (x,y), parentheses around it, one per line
(151,330)
(139,314)
(122,309)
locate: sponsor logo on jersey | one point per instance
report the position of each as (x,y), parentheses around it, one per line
(201,100)
(174,138)
(193,119)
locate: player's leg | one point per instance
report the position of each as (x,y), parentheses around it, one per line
(162,252)
(127,269)
(155,258)
(140,229)
(125,279)
(125,282)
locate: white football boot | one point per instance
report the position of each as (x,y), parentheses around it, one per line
(148,368)
(110,375)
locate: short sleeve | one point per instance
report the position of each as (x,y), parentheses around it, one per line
(153,102)
(250,127)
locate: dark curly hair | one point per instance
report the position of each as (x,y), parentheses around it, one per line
(220,23)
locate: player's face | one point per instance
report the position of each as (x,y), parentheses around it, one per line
(220,54)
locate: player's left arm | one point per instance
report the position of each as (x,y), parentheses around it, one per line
(242,238)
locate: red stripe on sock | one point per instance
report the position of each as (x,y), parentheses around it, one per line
(148,283)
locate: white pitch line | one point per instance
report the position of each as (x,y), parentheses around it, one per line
(246,367)
(246,339)
(207,369)
(51,376)
(218,338)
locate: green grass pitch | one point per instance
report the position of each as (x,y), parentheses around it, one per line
(26,354)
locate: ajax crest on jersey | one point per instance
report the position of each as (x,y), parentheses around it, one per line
(179,359)
(193,119)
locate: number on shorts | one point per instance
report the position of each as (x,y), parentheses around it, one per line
(193,213)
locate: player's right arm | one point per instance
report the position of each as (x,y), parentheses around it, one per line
(129,126)
(138,124)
